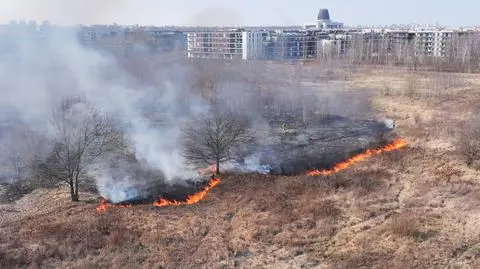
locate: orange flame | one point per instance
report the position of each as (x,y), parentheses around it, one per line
(395,145)
(191,199)
(104,205)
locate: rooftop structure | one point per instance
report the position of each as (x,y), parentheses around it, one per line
(324,22)
(323,15)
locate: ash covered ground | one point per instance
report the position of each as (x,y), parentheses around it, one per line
(138,183)
(317,144)
(285,150)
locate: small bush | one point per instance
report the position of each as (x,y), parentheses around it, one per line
(405,225)
(468,143)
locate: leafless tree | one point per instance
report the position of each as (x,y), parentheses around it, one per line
(214,138)
(82,136)
(468,144)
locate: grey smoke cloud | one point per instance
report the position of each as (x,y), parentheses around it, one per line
(37,74)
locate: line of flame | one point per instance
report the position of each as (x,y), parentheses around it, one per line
(191,199)
(395,145)
(197,197)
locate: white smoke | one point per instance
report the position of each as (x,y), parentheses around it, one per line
(250,164)
(37,73)
(389,123)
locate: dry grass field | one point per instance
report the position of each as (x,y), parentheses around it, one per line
(414,208)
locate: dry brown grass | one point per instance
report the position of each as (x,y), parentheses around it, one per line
(414,208)
(405,224)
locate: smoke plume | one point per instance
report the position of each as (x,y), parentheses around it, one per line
(151,98)
(36,74)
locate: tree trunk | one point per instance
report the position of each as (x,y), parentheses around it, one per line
(75,190)
(217,166)
(73,196)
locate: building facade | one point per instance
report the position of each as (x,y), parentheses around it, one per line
(433,42)
(253,45)
(225,45)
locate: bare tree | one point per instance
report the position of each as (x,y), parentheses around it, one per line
(82,136)
(468,144)
(213,138)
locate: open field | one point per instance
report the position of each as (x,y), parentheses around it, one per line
(414,208)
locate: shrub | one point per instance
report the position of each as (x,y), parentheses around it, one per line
(405,225)
(468,143)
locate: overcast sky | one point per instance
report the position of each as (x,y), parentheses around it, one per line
(241,12)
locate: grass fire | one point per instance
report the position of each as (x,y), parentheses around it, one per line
(189,200)
(395,145)
(200,195)
(121,160)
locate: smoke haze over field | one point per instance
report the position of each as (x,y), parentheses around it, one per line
(151,98)
(36,76)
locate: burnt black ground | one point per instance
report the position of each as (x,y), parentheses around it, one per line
(316,145)
(177,192)
(320,144)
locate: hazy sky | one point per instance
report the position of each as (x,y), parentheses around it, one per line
(241,12)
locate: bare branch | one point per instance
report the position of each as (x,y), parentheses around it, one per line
(83,135)
(213,138)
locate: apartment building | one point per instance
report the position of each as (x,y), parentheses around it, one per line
(296,44)
(227,44)
(90,35)
(253,46)
(333,45)
(165,41)
(433,42)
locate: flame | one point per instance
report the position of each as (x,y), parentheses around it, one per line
(197,197)
(191,199)
(104,205)
(395,145)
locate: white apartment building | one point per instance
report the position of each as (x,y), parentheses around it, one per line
(253,45)
(226,44)
(433,42)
